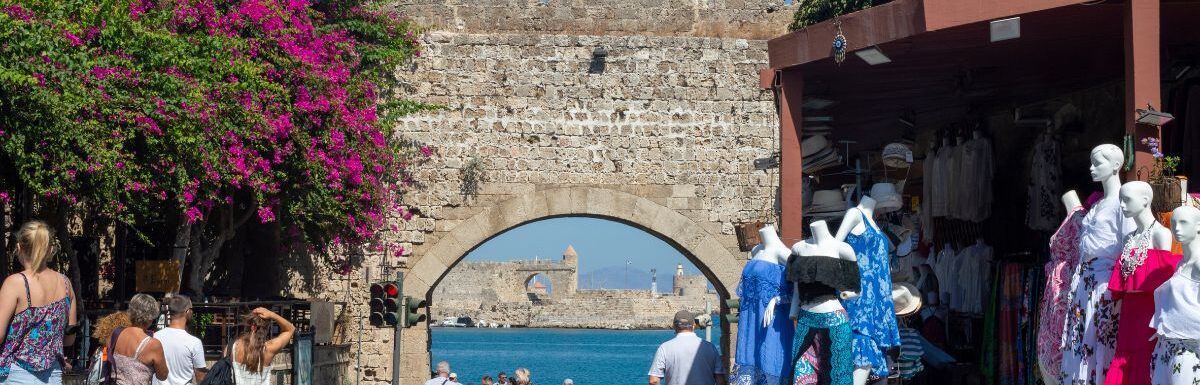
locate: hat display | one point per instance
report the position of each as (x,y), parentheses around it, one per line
(906,297)
(813,145)
(826,204)
(897,155)
(887,198)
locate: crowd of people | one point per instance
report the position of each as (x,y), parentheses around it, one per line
(443,376)
(38,318)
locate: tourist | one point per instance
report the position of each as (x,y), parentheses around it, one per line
(521,377)
(136,357)
(568,382)
(252,352)
(502,379)
(443,375)
(686,359)
(486,380)
(184,352)
(47,306)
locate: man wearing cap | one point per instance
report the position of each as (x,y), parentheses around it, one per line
(686,359)
(444,377)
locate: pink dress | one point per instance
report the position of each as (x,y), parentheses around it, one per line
(1064,256)
(1131,361)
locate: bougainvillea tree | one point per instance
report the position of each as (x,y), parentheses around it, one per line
(214,112)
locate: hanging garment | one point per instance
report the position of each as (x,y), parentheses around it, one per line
(941,184)
(762,352)
(1176,357)
(953,176)
(984,170)
(1089,333)
(872,313)
(1042,213)
(1064,255)
(1133,281)
(929,179)
(1175,362)
(911,350)
(823,349)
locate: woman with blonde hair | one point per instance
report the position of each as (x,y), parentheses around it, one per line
(37,309)
(521,377)
(253,351)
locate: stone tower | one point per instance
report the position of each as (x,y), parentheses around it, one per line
(569,257)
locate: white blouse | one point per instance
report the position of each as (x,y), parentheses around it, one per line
(1177,313)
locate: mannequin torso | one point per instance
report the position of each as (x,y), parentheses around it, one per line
(774,252)
(821,245)
(852,222)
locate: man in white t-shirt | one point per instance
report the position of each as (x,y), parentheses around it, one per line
(184,353)
(687,359)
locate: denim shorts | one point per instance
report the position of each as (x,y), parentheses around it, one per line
(19,376)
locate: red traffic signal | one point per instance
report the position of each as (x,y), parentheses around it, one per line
(385,304)
(391,290)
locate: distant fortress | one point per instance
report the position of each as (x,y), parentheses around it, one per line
(506,293)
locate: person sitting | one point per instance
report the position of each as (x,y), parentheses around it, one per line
(253,351)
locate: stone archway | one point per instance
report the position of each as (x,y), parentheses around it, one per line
(704,249)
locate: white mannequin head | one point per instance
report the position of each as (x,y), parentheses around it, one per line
(1185,224)
(1107,160)
(1135,198)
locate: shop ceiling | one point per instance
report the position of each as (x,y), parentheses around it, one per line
(943,64)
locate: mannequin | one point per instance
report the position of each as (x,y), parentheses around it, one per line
(764,335)
(872,312)
(822,244)
(1064,259)
(1145,263)
(1086,344)
(853,221)
(822,271)
(771,250)
(1177,316)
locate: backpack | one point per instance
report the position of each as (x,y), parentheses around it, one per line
(221,372)
(100,373)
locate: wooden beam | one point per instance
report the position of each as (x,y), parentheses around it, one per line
(1142,79)
(889,22)
(941,14)
(791,166)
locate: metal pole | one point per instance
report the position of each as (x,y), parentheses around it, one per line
(396,345)
(708,311)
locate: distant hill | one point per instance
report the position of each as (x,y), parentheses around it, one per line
(613,277)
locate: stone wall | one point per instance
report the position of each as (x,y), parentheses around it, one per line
(496,292)
(663,139)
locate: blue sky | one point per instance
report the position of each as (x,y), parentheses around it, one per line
(600,243)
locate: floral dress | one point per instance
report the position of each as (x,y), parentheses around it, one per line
(1064,255)
(1090,331)
(872,313)
(761,355)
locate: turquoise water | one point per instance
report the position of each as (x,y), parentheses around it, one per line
(610,357)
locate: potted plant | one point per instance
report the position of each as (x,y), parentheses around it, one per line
(1167,193)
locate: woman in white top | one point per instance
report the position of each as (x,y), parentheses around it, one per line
(253,351)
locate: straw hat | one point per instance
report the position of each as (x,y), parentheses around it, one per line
(826,202)
(907,298)
(887,198)
(813,145)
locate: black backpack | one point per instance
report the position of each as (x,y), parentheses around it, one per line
(221,372)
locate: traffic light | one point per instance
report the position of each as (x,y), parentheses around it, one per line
(413,314)
(385,304)
(733,304)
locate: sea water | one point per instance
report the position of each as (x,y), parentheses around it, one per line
(588,357)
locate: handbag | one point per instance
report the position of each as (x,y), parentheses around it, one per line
(221,372)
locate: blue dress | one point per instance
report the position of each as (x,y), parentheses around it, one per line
(762,353)
(872,313)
